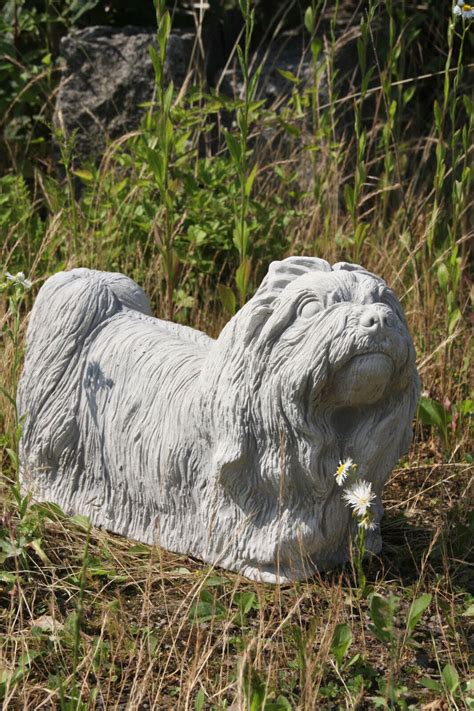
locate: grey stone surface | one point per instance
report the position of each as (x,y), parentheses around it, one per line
(107,73)
(290,54)
(223,449)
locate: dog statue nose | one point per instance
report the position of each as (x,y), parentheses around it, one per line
(374,319)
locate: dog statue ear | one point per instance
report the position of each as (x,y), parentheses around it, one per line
(260,308)
(348,267)
(280,274)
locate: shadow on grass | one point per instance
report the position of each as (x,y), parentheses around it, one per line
(444,549)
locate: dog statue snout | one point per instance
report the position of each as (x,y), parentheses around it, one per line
(375,318)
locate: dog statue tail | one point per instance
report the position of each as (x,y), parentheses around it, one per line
(71,308)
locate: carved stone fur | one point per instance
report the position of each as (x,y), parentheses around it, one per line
(222,449)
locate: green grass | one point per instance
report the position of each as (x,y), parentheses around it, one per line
(89,620)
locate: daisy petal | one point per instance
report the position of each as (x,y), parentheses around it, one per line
(359,497)
(343,470)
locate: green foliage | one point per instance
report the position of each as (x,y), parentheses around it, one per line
(417,609)
(20,224)
(388,629)
(29,40)
(210,607)
(383,613)
(246,114)
(341,641)
(431,412)
(449,686)
(207,608)
(9,679)
(246,602)
(199,700)
(257,695)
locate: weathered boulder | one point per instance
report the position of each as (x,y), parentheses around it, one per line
(289,54)
(106,75)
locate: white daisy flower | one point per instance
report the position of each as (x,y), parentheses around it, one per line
(464,9)
(343,471)
(359,496)
(19,279)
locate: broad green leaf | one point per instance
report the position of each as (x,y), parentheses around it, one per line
(443,276)
(341,642)
(408,94)
(450,678)
(362,51)
(13,457)
(245,602)
(157,66)
(227,298)
(382,611)
(48,510)
(242,64)
(157,164)
(417,608)
(199,701)
(207,608)
(292,131)
(234,147)
(242,122)
(241,239)
(181,571)
(353,660)
(81,521)
(289,75)
(13,548)
(36,545)
(349,197)
(454,319)
(242,277)
(250,180)
(167,98)
(8,578)
(84,175)
(366,79)
(309,19)
(431,684)
(163,34)
(431,412)
(316,47)
(255,690)
(361,233)
(160,7)
(253,90)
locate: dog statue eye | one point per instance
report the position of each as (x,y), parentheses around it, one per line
(309,308)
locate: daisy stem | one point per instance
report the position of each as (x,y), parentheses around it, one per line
(360,552)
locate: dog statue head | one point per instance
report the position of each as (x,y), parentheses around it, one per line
(317,367)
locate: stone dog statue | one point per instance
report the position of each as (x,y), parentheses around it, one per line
(222,449)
